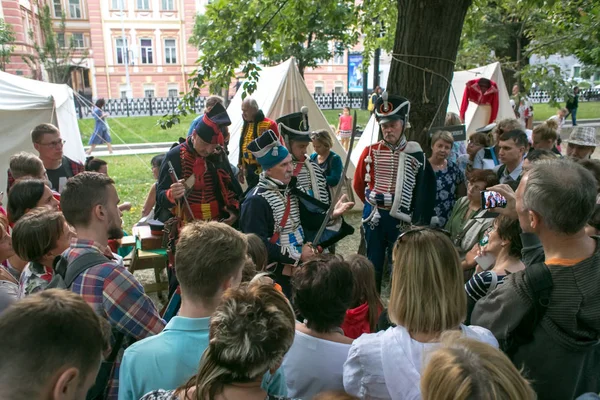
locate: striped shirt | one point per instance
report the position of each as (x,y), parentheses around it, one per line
(481,284)
(115,294)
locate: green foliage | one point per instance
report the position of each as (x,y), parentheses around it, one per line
(249,33)
(7,38)
(510,31)
(547,77)
(377,21)
(574,28)
(57,58)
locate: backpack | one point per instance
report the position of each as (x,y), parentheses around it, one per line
(64,275)
(539,279)
(371,105)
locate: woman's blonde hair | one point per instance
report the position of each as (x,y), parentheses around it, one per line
(442,135)
(322,136)
(464,369)
(250,332)
(427,293)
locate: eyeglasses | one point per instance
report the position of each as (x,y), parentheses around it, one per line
(421,229)
(55,144)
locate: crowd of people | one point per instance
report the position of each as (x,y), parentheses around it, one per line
(494,286)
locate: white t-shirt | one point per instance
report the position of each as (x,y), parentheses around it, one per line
(314,365)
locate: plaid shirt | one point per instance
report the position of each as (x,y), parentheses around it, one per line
(115,294)
(76,168)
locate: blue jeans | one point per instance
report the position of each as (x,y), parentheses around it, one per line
(574,116)
(380,239)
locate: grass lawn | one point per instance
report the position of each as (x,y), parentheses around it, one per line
(133,179)
(586,110)
(145,130)
(136,130)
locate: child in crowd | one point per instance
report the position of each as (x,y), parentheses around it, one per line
(366,305)
(559,118)
(256,267)
(465,368)
(344,128)
(97,165)
(257,251)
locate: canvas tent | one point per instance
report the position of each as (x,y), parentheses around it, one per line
(26,103)
(476,116)
(280,91)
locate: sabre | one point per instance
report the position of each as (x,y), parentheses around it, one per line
(187,208)
(338,188)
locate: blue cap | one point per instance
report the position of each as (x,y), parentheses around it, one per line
(268,150)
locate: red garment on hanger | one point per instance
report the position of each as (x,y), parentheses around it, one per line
(473,93)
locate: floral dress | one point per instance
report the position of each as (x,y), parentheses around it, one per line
(448,181)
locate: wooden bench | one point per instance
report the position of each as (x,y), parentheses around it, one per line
(148,254)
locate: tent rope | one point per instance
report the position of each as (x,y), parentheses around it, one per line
(112,131)
(424,93)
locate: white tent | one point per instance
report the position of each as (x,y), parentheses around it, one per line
(26,103)
(280,91)
(476,116)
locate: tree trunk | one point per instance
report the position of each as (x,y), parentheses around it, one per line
(430,29)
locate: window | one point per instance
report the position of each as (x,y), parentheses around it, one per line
(143,4)
(173,93)
(148,92)
(338,54)
(146,51)
(122,50)
(27,26)
(123,94)
(319,87)
(167,5)
(57,8)
(75,9)
(118,4)
(576,71)
(170,51)
(339,87)
(60,40)
(77,40)
(257,47)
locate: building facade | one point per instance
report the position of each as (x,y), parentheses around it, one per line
(146,40)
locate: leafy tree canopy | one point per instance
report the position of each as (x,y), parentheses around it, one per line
(57,56)
(7,39)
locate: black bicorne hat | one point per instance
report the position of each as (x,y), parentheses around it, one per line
(295,126)
(389,107)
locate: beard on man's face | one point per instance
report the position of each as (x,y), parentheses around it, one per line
(115,232)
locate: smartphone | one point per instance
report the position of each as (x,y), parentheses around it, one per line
(491,199)
(486,261)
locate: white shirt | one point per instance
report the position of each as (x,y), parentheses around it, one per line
(560,121)
(313,366)
(387,365)
(509,177)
